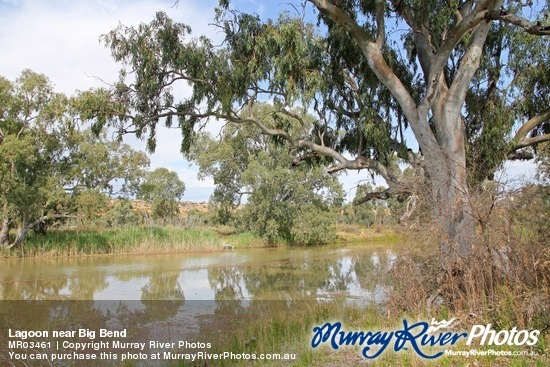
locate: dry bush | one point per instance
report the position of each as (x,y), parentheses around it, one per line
(507,279)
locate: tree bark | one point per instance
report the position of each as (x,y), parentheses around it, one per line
(5,232)
(5,229)
(449,191)
(25,227)
(20,235)
(453,215)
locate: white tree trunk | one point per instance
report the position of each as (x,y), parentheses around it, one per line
(454,220)
(450,193)
(5,227)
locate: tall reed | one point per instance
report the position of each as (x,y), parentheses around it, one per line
(117,241)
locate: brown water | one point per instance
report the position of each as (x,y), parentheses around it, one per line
(175,298)
(355,272)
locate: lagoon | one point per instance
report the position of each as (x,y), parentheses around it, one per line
(311,273)
(243,301)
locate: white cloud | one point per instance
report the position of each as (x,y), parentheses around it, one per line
(61,40)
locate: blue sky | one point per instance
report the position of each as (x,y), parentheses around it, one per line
(60,38)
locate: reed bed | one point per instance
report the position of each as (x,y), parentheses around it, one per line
(118,241)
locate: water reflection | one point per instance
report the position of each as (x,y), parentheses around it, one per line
(191,297)
(280,274)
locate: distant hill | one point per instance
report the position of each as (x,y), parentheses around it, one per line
(184,206)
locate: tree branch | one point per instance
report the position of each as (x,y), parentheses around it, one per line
(422,38)
(529,27)
(520,140)
(455,35)
(26,228)
(465,24)
(383,72)
(461,82)
(381,31)
(530,125)
(528,142)
(384,195)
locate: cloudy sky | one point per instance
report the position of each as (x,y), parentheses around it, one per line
(60,38)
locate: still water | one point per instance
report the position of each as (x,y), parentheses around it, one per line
(352,272)
(170,299)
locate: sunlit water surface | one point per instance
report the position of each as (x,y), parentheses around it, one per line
(353,272)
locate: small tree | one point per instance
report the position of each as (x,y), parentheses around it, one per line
(284,203)
(122,214)
(163,189)
(91,204)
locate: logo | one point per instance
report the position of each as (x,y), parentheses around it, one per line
(443,324)
(417,337)
(508,337)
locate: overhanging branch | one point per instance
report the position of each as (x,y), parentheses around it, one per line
(528,26)
(521,141)
(383,195)
(529,142)
(530,125)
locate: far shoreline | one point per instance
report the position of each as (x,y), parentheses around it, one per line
(67,243)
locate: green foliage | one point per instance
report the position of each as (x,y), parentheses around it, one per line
(196,218)
(49,170)
(164,209)
(96,106)
(376,211)
(91,204)
(366,213)
(313,226)
(32,122)
(162,188)
(511,87)
(284,54)
(161,183)
(283,203)
(289,205)
(92,161)
(220,212)
(121,214)
(369,89)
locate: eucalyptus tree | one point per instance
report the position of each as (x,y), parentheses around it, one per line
(295,206)
(32,117)
(451,88)
(47,163)
(92,161)
(163,189)
(95,169)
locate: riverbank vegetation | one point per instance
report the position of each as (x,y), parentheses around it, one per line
(508,286)
(92,240)
(125,240)
(289,330)
(435,113)
(57,176)
(508,280)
